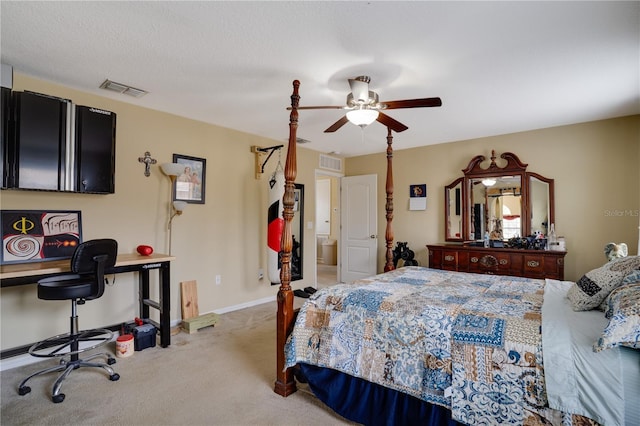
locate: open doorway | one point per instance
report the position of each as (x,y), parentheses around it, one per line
(327,228)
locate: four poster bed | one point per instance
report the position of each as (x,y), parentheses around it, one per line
(426,346)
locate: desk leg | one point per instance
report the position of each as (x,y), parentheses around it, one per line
(165,308)
(143,292)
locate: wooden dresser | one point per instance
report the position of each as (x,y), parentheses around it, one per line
(499,261)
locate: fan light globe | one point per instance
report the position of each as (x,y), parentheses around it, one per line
(362,117)
(488,182)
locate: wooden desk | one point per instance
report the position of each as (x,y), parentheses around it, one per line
(30,273)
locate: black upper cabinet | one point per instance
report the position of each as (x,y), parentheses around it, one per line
(96,147)
(40,135)
(59,146)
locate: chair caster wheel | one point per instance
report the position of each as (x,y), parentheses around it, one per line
(111,361)
(23,390)
(58,398)
(114,377)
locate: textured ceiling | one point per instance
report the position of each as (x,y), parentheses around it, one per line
(499,67)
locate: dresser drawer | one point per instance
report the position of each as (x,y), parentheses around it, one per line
(533,266)
(450,260)
(490,263)
(502,261)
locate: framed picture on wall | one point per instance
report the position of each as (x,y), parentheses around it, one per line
(39,235)
(189,185)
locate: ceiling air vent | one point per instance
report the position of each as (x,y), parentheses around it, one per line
(123,88)
(331,163)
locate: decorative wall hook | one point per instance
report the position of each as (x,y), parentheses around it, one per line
(259,151)
(148,161)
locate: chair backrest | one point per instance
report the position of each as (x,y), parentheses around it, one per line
(93,257)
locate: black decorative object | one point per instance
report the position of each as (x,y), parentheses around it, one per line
(531,242)
(402,251)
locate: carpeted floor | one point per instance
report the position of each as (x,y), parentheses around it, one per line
(221,375)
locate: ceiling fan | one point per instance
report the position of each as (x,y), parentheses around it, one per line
(363,107)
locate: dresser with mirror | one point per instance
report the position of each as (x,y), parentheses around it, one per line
(491,215)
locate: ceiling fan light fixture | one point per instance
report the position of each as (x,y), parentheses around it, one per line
(488,182)
(362,117)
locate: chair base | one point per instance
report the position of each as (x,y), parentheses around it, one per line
(69,344)
(67,367)
(67,347)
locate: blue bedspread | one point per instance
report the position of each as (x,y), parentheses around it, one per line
(468,342)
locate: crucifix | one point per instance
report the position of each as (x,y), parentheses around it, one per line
(148,161)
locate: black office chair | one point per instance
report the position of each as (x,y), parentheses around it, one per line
(87,282)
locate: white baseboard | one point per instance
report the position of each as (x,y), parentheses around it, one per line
(26,359)
(245,305)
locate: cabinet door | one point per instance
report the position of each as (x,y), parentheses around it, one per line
(40,137)
(95,136)
(5,152)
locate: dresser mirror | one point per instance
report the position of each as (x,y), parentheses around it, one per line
(453,210)
(503,200)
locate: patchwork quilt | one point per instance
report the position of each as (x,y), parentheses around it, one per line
(468,342)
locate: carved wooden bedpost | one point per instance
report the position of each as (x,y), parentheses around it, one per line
(388,236)
(285,383)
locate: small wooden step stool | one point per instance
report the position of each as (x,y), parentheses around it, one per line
(192,321)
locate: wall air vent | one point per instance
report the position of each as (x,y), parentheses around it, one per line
(123,88)
(331,163)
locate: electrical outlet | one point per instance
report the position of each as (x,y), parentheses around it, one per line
(218,279)
(260,273)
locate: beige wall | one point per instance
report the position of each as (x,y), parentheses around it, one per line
(597,185)
(226,236)
(595,166)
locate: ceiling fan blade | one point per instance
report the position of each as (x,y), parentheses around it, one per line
(359,90)
(394,125)
(413,103)
(318,107)
(335,126)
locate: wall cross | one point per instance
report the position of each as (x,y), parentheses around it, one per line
(148,161)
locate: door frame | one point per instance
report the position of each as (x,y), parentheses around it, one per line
(339,176)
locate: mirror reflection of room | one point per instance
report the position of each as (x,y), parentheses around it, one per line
(496,208)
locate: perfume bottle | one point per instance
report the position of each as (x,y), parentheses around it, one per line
(552,240)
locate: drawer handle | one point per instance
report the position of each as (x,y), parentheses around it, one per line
(449,258)
(533,263)
(474,260)
(503,261)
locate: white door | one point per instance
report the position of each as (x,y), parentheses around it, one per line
(359,220)
(323,206)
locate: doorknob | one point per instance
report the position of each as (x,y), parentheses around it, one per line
(373,237)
